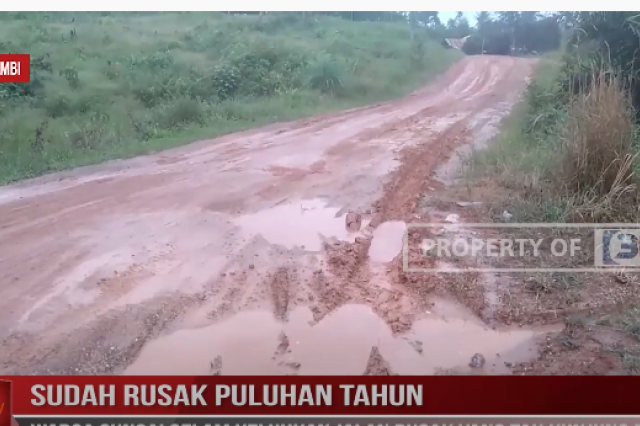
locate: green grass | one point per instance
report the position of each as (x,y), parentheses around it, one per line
(522,156)
(517,157)
(115,85)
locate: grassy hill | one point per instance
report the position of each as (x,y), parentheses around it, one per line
(113,85)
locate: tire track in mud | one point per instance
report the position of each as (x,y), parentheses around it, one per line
(189,201)
(409,293)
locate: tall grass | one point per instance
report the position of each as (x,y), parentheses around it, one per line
(598,151)
(112,85)
(598,141)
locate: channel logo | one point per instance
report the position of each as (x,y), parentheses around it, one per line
(617,247)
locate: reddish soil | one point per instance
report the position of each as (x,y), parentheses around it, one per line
(99,262)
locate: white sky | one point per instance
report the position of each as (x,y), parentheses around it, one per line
(446,15)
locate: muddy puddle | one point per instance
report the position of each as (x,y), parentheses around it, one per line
(256,343)
(305,224)
(387,241)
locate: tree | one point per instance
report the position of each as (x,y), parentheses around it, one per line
(521,31)
(529,17)
(567,19)
(482,19)
(458,27)
(427,19)
(511,20)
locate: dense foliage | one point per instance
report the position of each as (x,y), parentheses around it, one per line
(608,40)
(598,43)
(517,32)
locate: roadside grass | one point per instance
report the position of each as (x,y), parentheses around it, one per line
(558,162)
(115,85)
(575,163)
(520,161)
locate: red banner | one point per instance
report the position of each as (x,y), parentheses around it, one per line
(14,68)
(450,395)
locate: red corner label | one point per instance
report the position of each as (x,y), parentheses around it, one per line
(5,403)
(14,69)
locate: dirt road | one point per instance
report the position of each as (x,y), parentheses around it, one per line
(231,256)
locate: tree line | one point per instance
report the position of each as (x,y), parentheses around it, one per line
(499,33)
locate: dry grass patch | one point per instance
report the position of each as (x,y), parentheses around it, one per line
(598,153)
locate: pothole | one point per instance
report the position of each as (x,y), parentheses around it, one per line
(387,241)
(302,224)
(340,344)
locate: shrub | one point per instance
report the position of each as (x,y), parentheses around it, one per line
(226,80)
(71,75)
(58,106)
(605,39)
(265,69)
(180,113)
(151,95)
(326,75)
(545,109)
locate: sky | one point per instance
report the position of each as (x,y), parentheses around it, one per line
(446,15)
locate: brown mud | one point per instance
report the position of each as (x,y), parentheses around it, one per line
(272,251)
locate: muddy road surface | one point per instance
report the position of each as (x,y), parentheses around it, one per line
(272,251)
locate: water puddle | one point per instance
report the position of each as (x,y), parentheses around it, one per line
(387,241)
(307,223)
(254,343)
(448,339)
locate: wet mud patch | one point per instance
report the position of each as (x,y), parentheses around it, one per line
(280,284)
(347,261)
(376,365)
(352,339)
(329,294)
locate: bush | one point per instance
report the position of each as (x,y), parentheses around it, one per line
(226,80)
(546,109)
(326,75)
(265,69)
(152,94)
(180,113)
(605,40)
